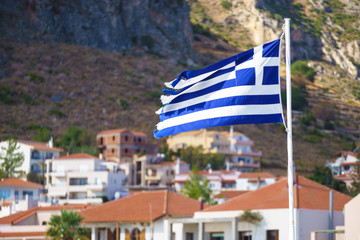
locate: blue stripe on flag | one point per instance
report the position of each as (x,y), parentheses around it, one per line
(239,58)
(229,101)
(222,121)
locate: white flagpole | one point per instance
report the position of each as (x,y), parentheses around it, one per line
(289,131)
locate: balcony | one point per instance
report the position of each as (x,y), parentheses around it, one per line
(152,178)
(80,201)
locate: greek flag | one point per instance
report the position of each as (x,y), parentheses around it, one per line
(242,89)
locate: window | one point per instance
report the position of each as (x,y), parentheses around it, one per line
(16,195)
(101,141)
(189,236)
(113,138)
(135,234)
(4,194)
(126,150)
(245,235)
(112,150)
(29,193)
(126,138)
(272,235)
(217,236)
(139,140)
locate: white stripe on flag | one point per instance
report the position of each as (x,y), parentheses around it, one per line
(226,111)
(187,82)
(227,92)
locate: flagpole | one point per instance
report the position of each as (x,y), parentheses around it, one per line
(289,131)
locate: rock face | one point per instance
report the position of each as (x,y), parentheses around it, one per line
(158,25)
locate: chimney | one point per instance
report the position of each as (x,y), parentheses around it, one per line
(201,202)
(51,142)
(258,183)
(177,170)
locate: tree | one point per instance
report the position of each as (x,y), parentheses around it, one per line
(323,175)
(197,158)
(42,134)
(197,187)
(354,189)
(11,158)
(78,140)
(67,226)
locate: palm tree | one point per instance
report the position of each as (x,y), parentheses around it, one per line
(67,227)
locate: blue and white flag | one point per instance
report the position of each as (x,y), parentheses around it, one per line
(242,89)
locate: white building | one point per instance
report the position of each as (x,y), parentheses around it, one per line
(352,219)
(32,224)
(161,173)
(221,180)
(226,220)
(143,215)
(82,178)
(235,147)
(344,164)
(35,154)
(18,195)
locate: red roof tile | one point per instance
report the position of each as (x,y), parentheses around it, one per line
(19,216)
(78,156)
(256,175)
(40,145)
(143,207)
(307,195)
(18,182)
(121,130)
(229,194)
(21,234)
(345,153)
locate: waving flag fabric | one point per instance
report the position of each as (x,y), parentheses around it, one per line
(242,89)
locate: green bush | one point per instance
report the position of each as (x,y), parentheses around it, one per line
(124,104)
(298,99)
(36,78)
(6,95)
(225,4)
(57,113)
(147,41)
(301,67)
(198,29)
(307,118)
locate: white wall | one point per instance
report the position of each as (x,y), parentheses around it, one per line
(352,219)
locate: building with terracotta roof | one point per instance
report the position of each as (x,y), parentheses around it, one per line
(124,146)
(161,173)
(143,215)
(234,146)
(82,178)
(311,202)
(18,195)
(221,180)
(32,223)
(35,154)
(344,164)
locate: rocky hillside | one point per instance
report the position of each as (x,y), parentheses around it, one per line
(102,64)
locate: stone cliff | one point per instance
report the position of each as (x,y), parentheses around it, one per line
(115,25)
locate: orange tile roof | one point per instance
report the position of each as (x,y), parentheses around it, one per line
(345,153)
(6,204)
(142,207)
(21,234)
(230,194)
(349,163)
(19,216)
(40,145)
(256,175)
(121,130)
(78,156)
(307,195)
(18,182)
